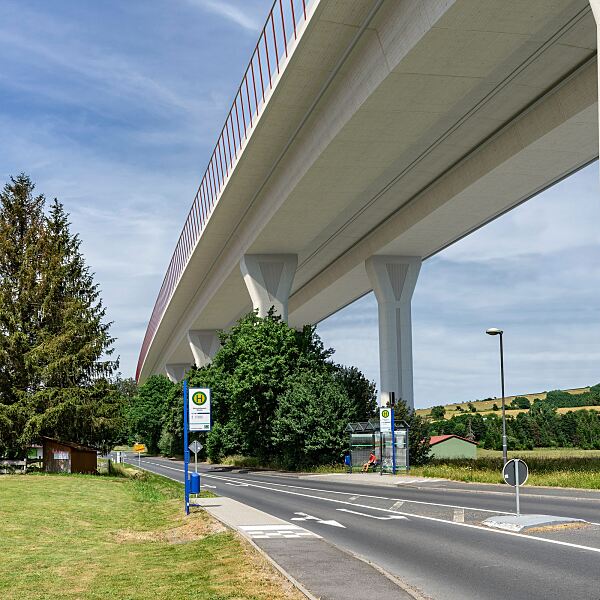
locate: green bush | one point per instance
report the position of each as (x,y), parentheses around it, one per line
(438,412)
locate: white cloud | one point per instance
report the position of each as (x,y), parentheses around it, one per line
(232,13)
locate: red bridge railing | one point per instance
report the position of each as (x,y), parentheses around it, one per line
(278,33)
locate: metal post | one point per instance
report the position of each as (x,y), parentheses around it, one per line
(139,459)
(517,485)
(195,462)
(393,444)
(504,444)
(186,452)
(381,453)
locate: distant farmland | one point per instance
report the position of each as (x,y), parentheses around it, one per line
(485,406)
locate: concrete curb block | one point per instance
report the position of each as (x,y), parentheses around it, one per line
(524,523)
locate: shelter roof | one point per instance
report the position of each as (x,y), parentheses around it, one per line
(70,444)
(436,439)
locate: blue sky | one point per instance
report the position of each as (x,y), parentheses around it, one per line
(114,107)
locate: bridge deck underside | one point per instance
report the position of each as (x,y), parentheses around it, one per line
(443,116)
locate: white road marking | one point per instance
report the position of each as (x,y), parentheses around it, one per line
(304,517)
(398,502)
(332,523)
(434,519)
(388,518)
(264,532)
(300,487)
(493,531)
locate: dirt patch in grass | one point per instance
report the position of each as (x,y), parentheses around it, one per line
(192,529)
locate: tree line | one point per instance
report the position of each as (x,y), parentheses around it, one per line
(276,396)
(541,427)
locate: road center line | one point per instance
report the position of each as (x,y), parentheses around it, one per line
(433,519)
(300,487)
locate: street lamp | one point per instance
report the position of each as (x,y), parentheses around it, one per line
(496,331)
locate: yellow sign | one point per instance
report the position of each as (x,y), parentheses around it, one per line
(199,398)
(139,448)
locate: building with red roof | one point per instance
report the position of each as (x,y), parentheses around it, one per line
(452,446)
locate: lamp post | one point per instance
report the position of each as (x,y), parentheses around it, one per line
(496,331)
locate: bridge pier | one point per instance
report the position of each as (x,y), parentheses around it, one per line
(269,279)
(204,344)
(176,371)
(595,4)
(393,279)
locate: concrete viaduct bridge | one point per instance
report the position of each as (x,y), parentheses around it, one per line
(365,137)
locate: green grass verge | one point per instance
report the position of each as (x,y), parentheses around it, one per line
(550,468)
(250,462)
(121,537)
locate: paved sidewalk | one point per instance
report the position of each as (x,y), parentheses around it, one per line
(323,570)
(374,479)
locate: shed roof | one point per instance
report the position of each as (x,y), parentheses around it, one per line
(436,439)
(69,444)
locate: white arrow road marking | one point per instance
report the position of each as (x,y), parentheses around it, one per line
(305,517)
(333,523)
(388,518)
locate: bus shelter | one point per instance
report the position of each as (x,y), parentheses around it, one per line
(390,448)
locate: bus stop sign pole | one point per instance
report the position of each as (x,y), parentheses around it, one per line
(186,451)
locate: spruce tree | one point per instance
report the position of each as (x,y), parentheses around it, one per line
(21,252)
(73,336)
(55,345)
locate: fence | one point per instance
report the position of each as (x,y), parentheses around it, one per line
(8,466)
(280,31)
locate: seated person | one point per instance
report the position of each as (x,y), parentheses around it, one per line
(372,462)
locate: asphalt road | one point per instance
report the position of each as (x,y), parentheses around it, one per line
(417,539)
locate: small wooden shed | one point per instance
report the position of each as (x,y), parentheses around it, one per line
(68,457)
(452,446)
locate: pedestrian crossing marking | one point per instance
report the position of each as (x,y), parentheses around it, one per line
(283,531)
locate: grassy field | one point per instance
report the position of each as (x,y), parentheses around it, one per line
(559,467)
(98,537)
(484,406)
(561,411)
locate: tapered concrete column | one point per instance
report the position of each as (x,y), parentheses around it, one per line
(176,372)
(204,344)
(269,278)
(595,4)
(393,279)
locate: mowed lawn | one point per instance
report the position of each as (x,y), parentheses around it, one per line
(101,537)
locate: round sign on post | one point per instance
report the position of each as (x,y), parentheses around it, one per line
(510,473)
